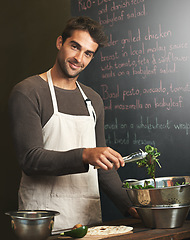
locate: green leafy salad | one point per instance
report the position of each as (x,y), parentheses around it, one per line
(146,185)
(150,162)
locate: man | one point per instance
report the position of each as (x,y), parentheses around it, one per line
(58,129)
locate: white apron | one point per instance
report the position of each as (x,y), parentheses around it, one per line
(75,196)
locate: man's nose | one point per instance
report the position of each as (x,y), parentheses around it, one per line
(79,56)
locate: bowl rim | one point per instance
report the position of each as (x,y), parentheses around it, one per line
(48,214)
(164,207)
(157,178)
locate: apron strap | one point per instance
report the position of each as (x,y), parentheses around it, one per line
(55,107)
(88,103)
(52,91)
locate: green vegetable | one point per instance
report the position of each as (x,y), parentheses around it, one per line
(127,185)
(76,233)
(136,186)
(146,186)
(141,187)
(150,161)
(183,183)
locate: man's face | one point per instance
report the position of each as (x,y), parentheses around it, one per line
(76,53)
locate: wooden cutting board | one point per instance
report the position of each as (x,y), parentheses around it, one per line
(88,237)
(99,237)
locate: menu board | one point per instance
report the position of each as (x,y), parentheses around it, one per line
(143,77)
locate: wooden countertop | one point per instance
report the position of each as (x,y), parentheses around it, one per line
(139,232)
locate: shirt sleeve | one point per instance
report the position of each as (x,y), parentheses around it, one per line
(100,132)
(109,181)
(111,185)
(27,136)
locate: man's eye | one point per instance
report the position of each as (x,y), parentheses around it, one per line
(88,55)
(74,47)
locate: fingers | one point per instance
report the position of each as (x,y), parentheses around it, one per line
(103,157)
(112,158)
(116,158)
(104,161)
(104,165)
(133,212)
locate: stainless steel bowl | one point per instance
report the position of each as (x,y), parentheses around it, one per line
(163,217)
(166,192)
(32,225)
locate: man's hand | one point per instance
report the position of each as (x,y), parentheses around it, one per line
(133,212)
(103,157)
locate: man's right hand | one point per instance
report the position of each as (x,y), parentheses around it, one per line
(103,157)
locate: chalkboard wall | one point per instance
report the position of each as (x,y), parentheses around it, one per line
(144,79)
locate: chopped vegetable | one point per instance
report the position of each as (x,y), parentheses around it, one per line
(77,226)
(78,231)
(146,185)
(150,161)
(183,183)
(141,187)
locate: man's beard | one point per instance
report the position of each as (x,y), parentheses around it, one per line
(65,71)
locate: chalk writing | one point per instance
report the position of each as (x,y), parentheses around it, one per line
(159,89)
(120,140)
(115,6)
(183,126)
(144,71)
(154,124)
(131,38)
(143,74)
(159,35)
(169,103)
(174,89)
(137,13)
(141,58)
(113,56)
(85,5)
(135,106)
(112,126)
(107,94)
(112,19)
(114,136)
(157,48)
(139,141)
(130,92)
(111,41)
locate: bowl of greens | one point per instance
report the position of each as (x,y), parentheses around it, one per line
(161,202)
(161,191)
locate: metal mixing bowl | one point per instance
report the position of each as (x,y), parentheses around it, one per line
(163,217)
(32,225)
(166,192)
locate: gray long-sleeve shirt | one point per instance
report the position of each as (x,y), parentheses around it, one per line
(30,108)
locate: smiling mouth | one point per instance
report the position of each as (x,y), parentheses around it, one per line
(75,66)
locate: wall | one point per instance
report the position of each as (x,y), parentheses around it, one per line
(27,45)
(143,77)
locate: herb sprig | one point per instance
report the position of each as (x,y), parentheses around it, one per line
(150,161)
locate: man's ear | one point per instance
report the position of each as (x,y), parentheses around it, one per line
(59,42)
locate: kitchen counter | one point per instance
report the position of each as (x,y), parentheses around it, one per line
(139,232)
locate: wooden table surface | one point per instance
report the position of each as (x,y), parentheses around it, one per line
(139,232)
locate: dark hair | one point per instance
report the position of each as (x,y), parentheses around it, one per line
(86,24)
